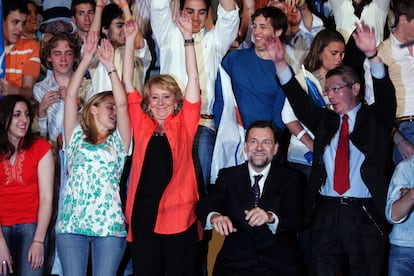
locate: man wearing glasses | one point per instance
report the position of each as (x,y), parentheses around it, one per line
(346,196)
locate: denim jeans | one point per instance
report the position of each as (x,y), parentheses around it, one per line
(401,261)
(19,238)
(106,253)
(407,130)
(204,145)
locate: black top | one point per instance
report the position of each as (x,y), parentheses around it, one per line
(156,173)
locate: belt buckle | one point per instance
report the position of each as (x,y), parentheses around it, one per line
(345,200)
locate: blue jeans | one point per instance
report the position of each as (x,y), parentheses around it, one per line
(19,238)
(74,250)
(401,261)
(407,130)
(204,145)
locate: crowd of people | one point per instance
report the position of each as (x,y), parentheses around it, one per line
(114,115)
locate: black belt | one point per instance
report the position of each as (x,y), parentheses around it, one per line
(207,116)
(344,200)
(402,119)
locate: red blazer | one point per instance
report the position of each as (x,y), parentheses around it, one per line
(176,211)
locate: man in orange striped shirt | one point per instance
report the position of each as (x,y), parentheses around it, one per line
(22,55)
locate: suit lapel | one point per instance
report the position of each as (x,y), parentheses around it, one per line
(244,189)
(271,185)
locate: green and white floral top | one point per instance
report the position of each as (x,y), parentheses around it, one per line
(91,203)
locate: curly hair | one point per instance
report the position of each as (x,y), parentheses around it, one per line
(165,82)
(52,43)
(7,105)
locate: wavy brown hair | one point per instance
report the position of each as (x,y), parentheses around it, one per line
(52,43)
(88,122)
(7,104)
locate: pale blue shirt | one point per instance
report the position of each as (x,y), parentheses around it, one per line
(403,177)
(356,158)
(52,124)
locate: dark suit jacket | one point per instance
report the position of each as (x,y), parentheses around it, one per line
(371,135)
(256,249)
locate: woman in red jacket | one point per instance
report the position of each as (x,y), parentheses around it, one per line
(163,192)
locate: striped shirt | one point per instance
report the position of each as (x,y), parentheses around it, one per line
(22,58)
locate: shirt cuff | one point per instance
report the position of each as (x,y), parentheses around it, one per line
(208,225)
(377,70)
(273,226)
(285,75)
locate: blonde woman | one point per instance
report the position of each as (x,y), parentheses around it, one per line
(162,193)
(91,217)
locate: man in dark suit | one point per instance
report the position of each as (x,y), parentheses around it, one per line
(345,200)
(259,218)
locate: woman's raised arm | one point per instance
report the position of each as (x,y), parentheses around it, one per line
(71,109)
(192,90)
(106,56)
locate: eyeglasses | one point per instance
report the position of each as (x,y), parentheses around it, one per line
(335,90)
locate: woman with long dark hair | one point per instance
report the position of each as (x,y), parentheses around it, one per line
(26,190)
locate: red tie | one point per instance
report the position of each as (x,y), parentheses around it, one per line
(341,173)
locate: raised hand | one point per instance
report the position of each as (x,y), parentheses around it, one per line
(90,45)
(185,25)
(276,52)
(364,37)
(106,54)
(130,30)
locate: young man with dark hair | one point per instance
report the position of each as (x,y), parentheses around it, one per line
(109,21)
(83,12)
(22,55)
(252,73)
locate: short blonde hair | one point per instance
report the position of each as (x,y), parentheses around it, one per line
(165,82)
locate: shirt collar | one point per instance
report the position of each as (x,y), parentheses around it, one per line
(200,35)
(252,172)
(353,112)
